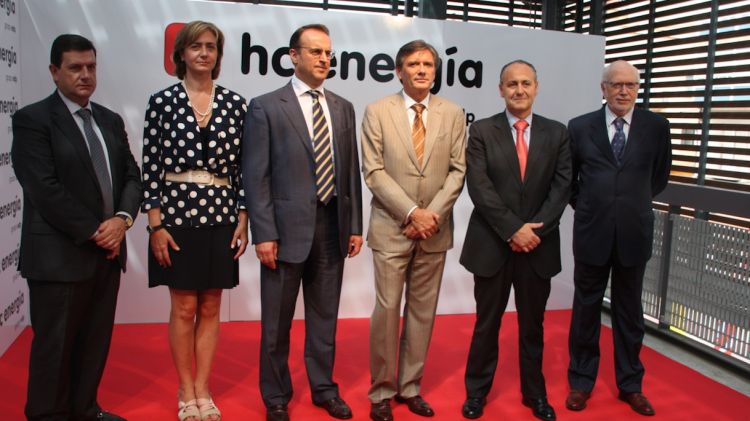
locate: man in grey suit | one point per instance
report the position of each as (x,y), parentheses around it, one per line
(81,190)
(413,162)
(518,176)
(301,177)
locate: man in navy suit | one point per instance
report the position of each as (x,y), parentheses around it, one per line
(621,160)
(301,177)
(81,189)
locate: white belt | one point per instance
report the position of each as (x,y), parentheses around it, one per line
(197,177)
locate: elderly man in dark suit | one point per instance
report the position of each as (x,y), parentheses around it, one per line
(518,177)
(81,190)
(301,177)
(621,160)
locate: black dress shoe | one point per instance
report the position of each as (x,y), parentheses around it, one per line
(336,408)
(638,403)
(541,408)
(381,411)
(108,416)
(277,413)
(473,407)
(417,405)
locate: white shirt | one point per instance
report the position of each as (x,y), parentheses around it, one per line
(73,108)
(410,113)
(301,90)
(305,101)
(526,133)
(610,117)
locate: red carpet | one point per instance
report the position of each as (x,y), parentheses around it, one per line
(140,383)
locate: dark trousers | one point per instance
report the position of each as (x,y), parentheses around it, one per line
(320,276)
(491,294)
(72,325)
(627,324)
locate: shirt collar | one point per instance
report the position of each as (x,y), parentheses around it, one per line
(301,88)
(409,101)
(73,107)
(512,119)
(610,116)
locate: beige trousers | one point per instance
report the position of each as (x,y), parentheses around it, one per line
(396,365)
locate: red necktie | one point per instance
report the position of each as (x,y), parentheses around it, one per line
(521,148)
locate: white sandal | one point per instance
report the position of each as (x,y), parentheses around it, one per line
(208,409)
(187,410)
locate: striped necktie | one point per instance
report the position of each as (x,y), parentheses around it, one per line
(324,171)
(418,132)
(99,161)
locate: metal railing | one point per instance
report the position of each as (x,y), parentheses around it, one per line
(697,283)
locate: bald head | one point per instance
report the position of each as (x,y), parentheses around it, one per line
(620,66)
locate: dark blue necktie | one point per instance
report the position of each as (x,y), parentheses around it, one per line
(99,161)
(618,141)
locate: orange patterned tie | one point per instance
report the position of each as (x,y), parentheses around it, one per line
(418,132)
(521,148)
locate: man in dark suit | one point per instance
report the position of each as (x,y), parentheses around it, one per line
(518,177)
(301,176)
(81,189)
(621,160)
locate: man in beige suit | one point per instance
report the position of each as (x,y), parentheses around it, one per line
(413,162)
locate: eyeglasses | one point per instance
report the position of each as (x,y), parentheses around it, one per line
(630,86)
(318,52)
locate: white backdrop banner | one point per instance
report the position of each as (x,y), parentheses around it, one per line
(13,291)
(130,40)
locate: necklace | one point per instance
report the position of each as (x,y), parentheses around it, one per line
(201,115)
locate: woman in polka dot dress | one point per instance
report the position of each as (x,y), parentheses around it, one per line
(196,206)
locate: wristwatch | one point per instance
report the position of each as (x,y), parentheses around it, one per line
(128,220)
(155,228)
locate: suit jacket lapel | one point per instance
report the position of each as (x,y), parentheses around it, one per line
(434,123)
(634,136)
(336,127)
(600,137)
(536,146)
(402,125)
(291,107)
(109,139)
(507,146)
(62,117)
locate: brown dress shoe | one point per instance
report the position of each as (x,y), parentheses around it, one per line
(576,400)
(417,405)
(638,402)
(277,413)
(381,411)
